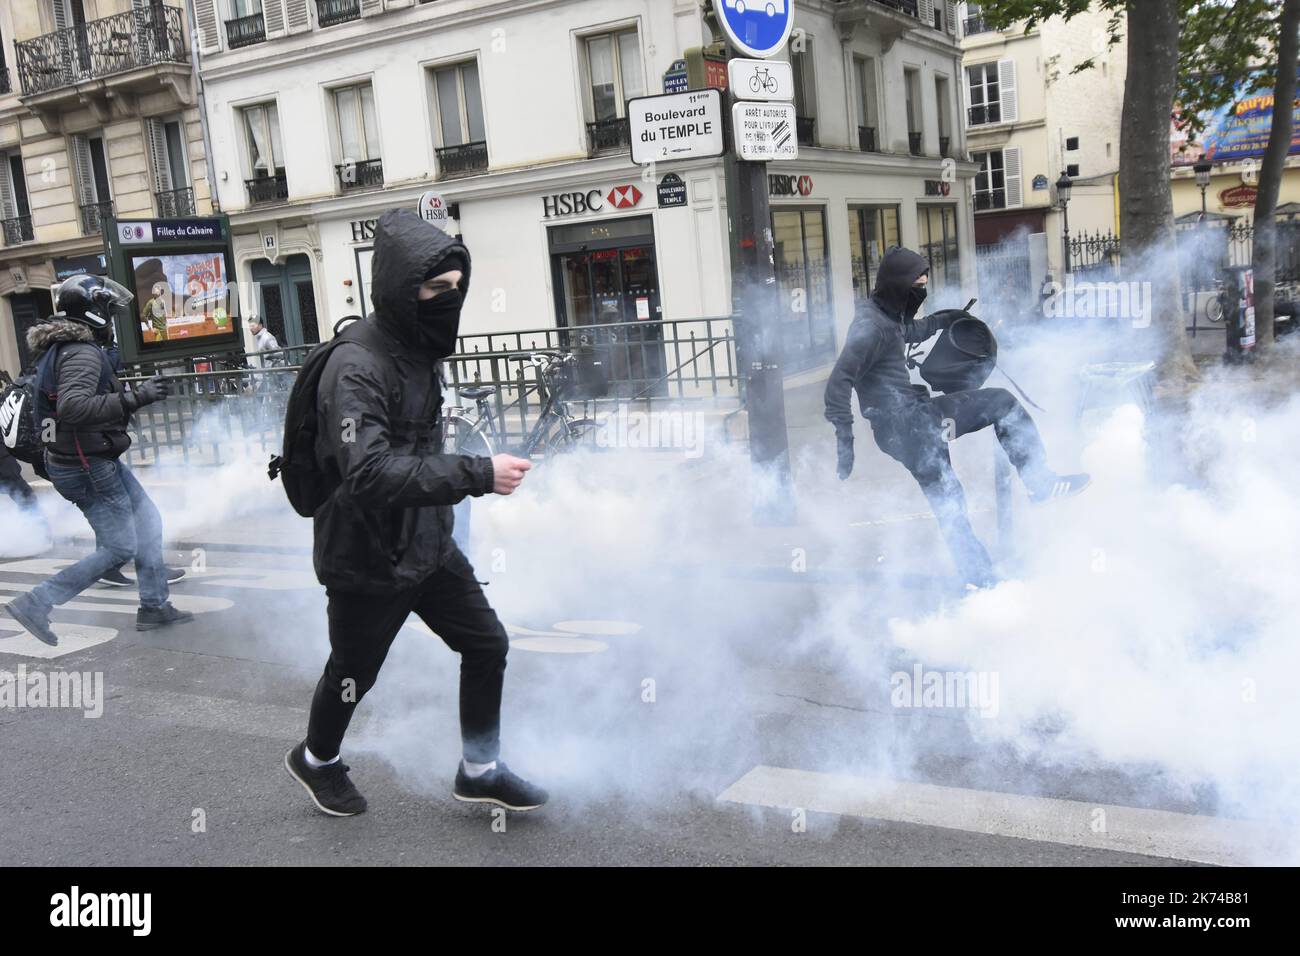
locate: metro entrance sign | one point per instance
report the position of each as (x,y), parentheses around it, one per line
(756,27)
(676,126)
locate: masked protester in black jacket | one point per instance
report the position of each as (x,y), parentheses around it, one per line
(383,544)
(912,426)
(78,392)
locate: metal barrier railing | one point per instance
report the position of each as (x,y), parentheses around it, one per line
(242,405)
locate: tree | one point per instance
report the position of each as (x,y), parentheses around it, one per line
(1232,50)
(1146,207)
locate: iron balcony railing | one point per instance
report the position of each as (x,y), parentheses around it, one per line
(92,216)
(175,203)
(867,139)
(330,12)
(267,189)
(360,174)
(908,7)
(608,135)
(147,35)
(17,229)
(245,31)
(806,130)
(976,24)
(991,199)
(986,114)
(462,160)
(914,143)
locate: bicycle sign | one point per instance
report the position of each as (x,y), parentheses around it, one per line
(761,79)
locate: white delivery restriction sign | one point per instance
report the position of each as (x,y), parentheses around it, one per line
(676,126)
(764,131)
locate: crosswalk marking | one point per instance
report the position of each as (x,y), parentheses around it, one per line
(1156,833)
(123,600)
(72,638)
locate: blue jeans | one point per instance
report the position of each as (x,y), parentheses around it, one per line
(127,526)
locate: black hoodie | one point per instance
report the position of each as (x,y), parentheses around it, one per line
(387,526)
(873,361)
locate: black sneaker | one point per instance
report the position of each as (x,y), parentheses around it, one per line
(329,787)
(32,615)
(1061,486)
(114,578)
(149,618)
(498,786)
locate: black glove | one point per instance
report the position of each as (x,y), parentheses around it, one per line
(945,317)
(843,452)
(146,393)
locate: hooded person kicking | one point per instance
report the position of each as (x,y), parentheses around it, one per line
(912,426)
(383,543)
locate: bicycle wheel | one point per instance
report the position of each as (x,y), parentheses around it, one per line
(465,437)
(568,436)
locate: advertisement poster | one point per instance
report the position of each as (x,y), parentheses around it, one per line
(1234,133)
(183,296)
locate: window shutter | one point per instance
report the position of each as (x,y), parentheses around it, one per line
(1011,173)
(951,22)
(157,143)
(273,17)
(297,17)
(925,12)
(1007,90)
(205,15)
(82,173)
(8,205)
(60,14)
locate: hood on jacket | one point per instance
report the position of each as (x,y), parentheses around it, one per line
(55,329)
(899,269)
(406,248)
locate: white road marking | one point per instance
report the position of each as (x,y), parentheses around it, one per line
(123,600)
(72,638)
(272,579)
(610,628)
(560,645)
(1156,833)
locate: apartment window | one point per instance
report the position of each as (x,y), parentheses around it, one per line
(805,100)
(6,84)
(1072,170)
(937,229)
(974,21)
(614,65)
(943,103)
(872,230)
(90,172)
(1072,143)
(15,210)
(358,137)
(265,153)
(458,111)
(997,184)
(246,25)
(864,81)
(912,87)
(166,141)
(985,99)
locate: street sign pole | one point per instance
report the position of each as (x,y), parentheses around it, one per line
(756,309)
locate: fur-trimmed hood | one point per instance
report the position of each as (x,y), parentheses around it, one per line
(41,337)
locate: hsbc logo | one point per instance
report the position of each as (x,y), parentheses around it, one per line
(624,197)
(590,200)
(778,185)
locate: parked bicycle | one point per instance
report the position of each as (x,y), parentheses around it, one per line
(554,431)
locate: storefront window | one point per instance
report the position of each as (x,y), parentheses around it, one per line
(803,275)
(937,231)
(872,230)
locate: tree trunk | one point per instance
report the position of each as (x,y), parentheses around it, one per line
(1147,244)
(1264,254)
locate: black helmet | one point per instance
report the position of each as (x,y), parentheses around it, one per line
(89,300)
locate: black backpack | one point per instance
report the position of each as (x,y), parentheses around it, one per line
(305,484)
(22,438)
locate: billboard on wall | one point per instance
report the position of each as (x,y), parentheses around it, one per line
(1236,132)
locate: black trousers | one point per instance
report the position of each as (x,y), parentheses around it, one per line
(918,438)
(362,628)
(12,482)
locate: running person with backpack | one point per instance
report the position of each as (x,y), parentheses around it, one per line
(363,458)
(76,391)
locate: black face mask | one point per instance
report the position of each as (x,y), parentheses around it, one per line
(438,321)
(915,296)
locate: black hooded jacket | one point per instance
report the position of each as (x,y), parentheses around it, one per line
(91,423)
(873,361)
(387,526)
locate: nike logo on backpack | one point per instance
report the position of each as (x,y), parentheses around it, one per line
(9,419)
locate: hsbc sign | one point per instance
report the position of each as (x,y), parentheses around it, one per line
(626,196)
(781,185)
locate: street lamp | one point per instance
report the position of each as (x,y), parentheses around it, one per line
(1203,170)
(1064,185)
